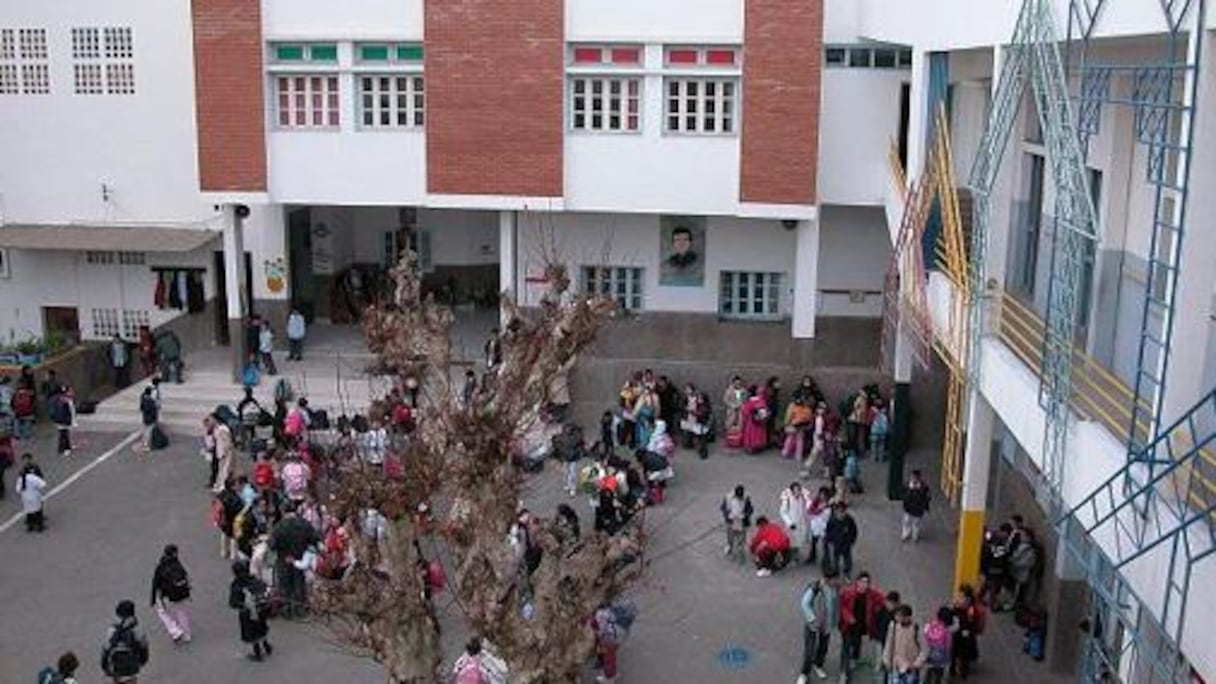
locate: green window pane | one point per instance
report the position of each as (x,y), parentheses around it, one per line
(289,53)
(409,53)
(373,53)
(323,53)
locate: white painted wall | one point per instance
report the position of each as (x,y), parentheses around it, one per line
(59,149)
(347,166)
(63,279)
(584,239)
(854,251)
(859,120)
(360,19)
(669,20)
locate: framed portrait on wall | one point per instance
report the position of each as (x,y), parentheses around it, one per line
(682,251)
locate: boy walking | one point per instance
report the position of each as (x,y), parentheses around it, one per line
(737,514)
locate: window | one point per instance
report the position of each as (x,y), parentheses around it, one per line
(392,249)
(869,56)
(701,105)
(605,104)
(1028,256)
(622,283)
(132,321)
(607,55)
(750,295)
(132,258)
(105,323)
(99,258)
(720,57)
(103,60)
(389,53)
(323,53)
(110,258)
(391,101)
(307,101)
(23,62)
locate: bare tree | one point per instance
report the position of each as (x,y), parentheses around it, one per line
(458,496)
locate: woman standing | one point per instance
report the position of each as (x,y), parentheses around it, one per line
(644,413)
(755,422)
(798,419)
(733,399)
(250,597)
(772,399)
(969,622)
(696,421)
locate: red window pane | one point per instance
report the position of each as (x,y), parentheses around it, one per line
(626,56)
(682,56)
(720,57)
(588,55)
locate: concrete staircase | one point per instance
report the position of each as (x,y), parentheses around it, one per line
(335,381)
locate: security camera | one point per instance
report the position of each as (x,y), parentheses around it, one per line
(242,211)
(789,224)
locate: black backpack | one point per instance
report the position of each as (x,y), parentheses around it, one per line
(175,584)
(124,655)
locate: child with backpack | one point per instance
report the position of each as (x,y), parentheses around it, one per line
(63,415)
(250,597)
(125,652)
(938,638)
(25,409)
(170,590)
(479,665)
(64,671)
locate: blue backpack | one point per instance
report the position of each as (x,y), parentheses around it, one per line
(49,675)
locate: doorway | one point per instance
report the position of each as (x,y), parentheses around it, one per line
(63,321)
(221,295)
(299,261)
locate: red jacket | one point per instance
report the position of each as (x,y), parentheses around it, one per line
(770,537)
(874,601)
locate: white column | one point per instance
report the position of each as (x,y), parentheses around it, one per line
(234,285)
(806,279)
(918,106)
(508,250)
(974,499)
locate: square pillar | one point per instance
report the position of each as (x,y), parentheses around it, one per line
(974,497)
(508,256)
(234,216)
(806,279)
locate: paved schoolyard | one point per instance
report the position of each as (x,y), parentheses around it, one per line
(703,618)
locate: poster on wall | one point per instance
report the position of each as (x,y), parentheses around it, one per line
(682,251)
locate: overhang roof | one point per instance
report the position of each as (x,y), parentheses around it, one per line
(104,238)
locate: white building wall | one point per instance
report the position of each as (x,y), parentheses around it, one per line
(360,19)
(646,20)
(634,240)
(854,251)
(59,149)
(859,120)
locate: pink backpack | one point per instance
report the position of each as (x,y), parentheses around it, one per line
(294,424)
(471,673)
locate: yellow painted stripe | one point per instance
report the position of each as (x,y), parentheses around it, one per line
(970,544)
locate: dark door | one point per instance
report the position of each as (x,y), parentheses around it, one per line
(905,104)
(63,321)
(221,301)
(299,256)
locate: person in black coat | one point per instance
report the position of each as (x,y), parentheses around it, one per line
(839,538)
(250,597)
(289,540)
(170,590)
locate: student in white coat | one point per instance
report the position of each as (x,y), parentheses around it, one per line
(31,488)
(793,508)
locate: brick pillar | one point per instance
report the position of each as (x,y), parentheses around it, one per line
(229,101)
(495,75)
(782,62)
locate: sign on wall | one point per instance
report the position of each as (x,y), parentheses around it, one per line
(682,251)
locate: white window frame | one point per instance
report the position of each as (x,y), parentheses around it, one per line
(750,295)
(591,96)
(687,106)
(623,283)
(304,100)
(132,321)
(103,60)
(24,62)
(410,103)
(104,323)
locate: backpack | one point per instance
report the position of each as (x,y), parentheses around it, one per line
(624,613)
(23,403)
(471,673)
(257,596)
(61,414)
(282,390)
(251,376)
(124,655)
(175,583)
(937,641)
(159,440)
(49,675)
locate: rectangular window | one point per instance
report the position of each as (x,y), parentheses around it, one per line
(23,62)
(132,321)
(103,60)
(381,53)
(701,105)
(605,103)
(105,323)
(860,57)
(307,101)
(605,55)
(884,59)
(304,52)
(99,258)
(750,295)
(132,258)
(720,57)
(622,283)
(391,101)
(834,56)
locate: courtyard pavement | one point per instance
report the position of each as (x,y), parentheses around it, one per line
(702,617)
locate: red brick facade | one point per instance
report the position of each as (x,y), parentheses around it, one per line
(782,62)
(494,88)
(229,102)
